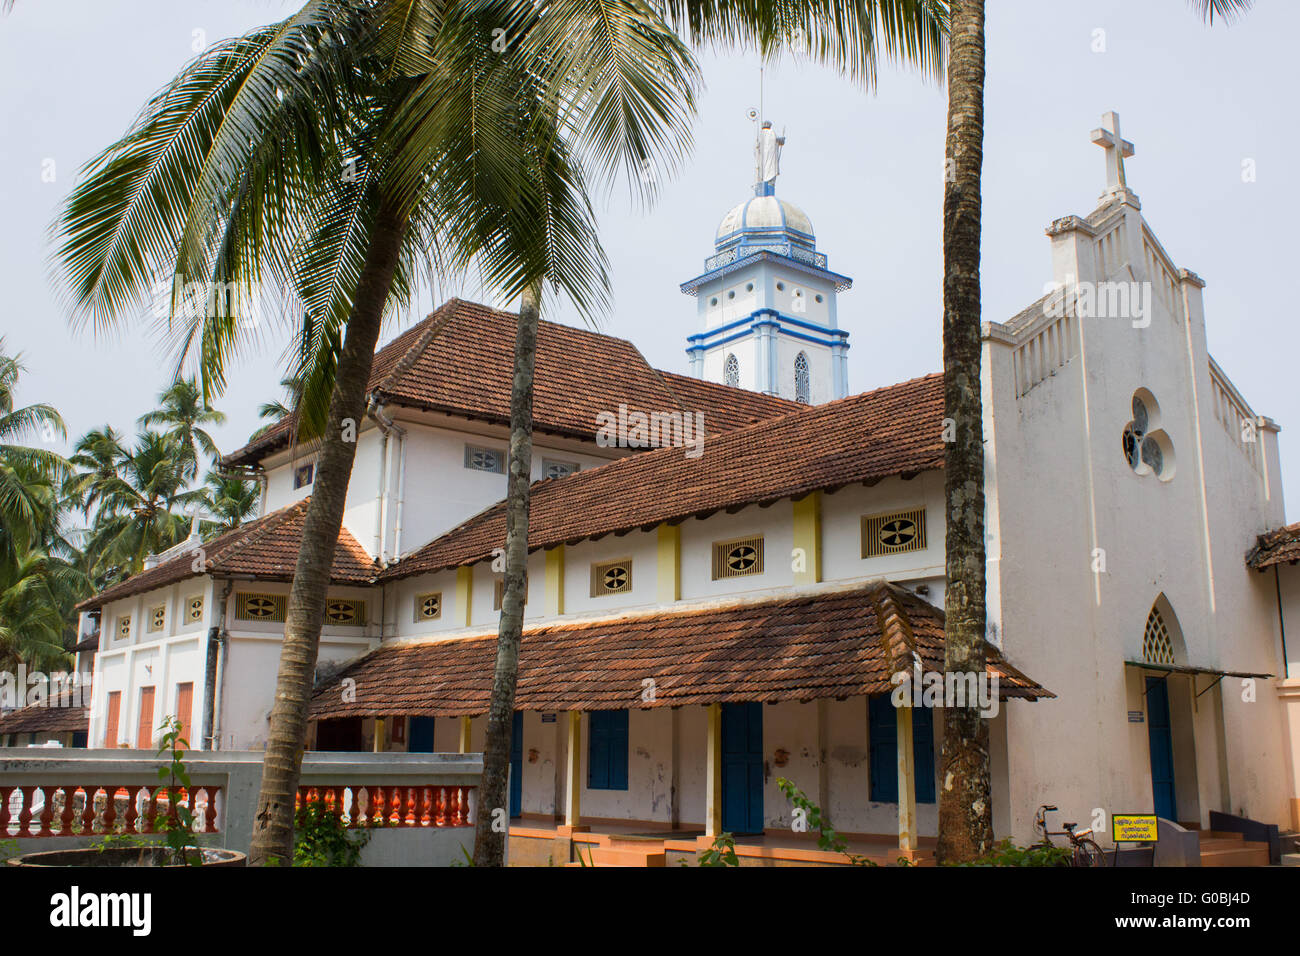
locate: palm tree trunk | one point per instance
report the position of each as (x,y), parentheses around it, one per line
(273,825)
(965,805)
(493,803)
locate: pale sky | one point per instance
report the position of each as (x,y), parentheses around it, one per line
(1196,101)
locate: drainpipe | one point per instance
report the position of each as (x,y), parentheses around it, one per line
(216,651)
(387,426)
(1281,623)
(376,411)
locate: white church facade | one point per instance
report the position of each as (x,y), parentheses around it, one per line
(699,626)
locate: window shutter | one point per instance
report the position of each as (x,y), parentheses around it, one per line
(114,712)
(607,750)
(883,727)
(923,752)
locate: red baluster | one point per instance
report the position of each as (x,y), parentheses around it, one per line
(458,797)
(4,810)
(25,814)
(358,817)
(336,797)
(396,801)
(417,817)
(110,809)
(132,811)
(439,806)
(69,798)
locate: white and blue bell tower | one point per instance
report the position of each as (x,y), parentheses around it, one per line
(767,299)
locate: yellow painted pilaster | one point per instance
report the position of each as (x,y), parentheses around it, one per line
(573,771)
(713,773)
(555,581)
(381,735)
(669,575)
(464,735)
(906,782)
(464,595)
(808,538)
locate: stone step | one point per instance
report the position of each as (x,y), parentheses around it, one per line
(1291,859)
(629,856)
(1228,853)
(1219,835)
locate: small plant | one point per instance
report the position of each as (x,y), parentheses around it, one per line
(321,839)
(1007,853)
(827,837)
(8,848)
(177,826)
(721,853)
(118,840)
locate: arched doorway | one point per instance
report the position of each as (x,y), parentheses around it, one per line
(1170,703)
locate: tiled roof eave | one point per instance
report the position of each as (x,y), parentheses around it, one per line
(399,570)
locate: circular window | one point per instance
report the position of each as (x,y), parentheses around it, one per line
(713,301)
(731,294)
(780,287)
(818,297)
(749,287)
(615,578)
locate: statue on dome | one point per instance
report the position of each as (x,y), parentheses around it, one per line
(767,154)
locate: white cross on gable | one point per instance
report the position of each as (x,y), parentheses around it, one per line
(1117,150)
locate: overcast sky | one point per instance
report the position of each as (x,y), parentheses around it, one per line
(866,168)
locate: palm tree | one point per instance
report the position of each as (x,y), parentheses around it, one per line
(229,501)
(30,422)
(141,508)
(183,413)
(97,458)
(965,800)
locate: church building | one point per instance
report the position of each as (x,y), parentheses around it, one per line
(729,592)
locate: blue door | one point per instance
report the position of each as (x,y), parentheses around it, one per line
(1162,748)
(420,740)
(517,765)
(742,768)
(882,724)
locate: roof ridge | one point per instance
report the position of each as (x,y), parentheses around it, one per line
(436,324)
(268,523)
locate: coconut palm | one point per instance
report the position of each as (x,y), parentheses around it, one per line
(229,502)
(21,424)
(141,509)
(182,413)
(965,800)
(96,460)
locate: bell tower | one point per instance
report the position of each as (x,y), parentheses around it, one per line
(767,299)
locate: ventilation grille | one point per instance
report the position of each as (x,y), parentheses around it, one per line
(194,609)
(124,627)
(345,612)
(612,577)
(893,533)
(428,607)
(260,607)
(157,618)
(736,559)
(1157,648)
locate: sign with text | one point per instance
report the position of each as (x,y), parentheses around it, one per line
(1134,827)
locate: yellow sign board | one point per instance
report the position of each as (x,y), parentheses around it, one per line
(1133,827)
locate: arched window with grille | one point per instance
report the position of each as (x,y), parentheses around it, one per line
(731,370)
(802,379)
(1162,639)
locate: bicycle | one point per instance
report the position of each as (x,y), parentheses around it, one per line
(1085,853)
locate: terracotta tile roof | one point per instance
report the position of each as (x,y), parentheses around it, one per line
(863,438)
(726,406)
(1281,546)
(820,645)
(266,547)
(42,718)
(459,361)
